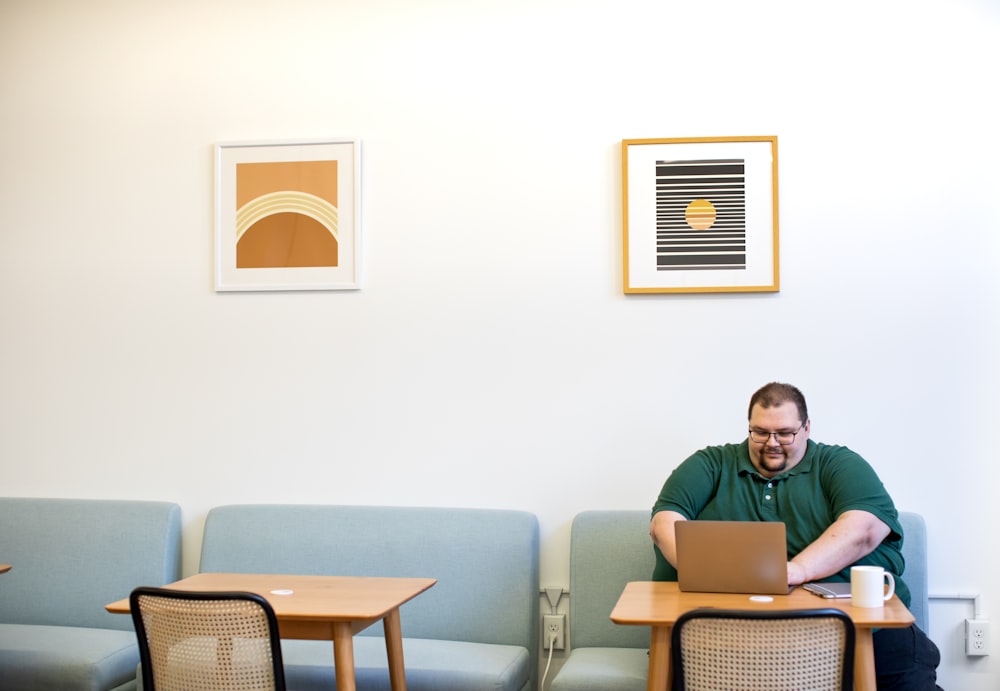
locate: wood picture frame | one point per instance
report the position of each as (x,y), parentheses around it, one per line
(700,215)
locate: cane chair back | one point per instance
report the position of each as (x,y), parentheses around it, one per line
(763,650)
(206,641)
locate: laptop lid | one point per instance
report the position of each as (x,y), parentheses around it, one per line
(732,557)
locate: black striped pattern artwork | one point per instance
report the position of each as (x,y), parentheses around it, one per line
(701,215)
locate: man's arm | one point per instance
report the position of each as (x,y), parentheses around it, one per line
(852,536)
(661,529)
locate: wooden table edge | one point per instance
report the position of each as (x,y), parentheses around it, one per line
(123,606)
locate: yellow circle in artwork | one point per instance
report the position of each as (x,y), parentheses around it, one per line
(700,214)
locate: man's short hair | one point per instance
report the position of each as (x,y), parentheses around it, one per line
(776,393)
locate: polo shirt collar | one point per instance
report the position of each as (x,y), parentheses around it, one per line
(803,466)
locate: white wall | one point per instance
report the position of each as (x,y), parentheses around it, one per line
(491,358)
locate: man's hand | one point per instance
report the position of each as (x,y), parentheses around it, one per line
(796,574)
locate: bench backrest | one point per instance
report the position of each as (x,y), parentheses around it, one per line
(607,550)
(915,573)
(485,560)
(71,557)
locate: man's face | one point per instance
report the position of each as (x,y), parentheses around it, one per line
(769,457)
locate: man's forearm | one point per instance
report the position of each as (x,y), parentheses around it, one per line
(852,536)
(661,529)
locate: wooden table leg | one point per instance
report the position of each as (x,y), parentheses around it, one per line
(864,660)
(343,656)
(394,650)
(659,659)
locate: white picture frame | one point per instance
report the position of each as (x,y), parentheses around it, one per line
(287,215)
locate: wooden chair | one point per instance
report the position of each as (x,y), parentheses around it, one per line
(206,641)
(763,650)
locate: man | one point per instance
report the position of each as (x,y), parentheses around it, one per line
(835,508)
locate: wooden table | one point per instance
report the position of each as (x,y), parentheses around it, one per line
(324,608)
(658,604)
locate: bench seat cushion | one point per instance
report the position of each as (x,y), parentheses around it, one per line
(67,658)
(603,669)
(431,665)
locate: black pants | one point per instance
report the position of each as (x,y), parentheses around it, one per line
(905,660)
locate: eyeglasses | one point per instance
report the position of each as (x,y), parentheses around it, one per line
(783,438)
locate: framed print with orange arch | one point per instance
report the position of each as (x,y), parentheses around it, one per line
(287,215)
(700,215)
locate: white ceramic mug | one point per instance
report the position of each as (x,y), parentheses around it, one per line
(868,586)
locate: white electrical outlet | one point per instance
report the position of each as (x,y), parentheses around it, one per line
(977,637)
(554,627)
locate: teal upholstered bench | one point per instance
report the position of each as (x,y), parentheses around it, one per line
(70,558)
(607,550)
(475,630)
(610,548)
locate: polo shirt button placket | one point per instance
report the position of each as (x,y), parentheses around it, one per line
(768,502)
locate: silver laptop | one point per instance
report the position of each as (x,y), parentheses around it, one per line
(732,557)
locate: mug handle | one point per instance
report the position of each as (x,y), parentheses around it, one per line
(892,586)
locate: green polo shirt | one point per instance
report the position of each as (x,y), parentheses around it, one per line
(720,483)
